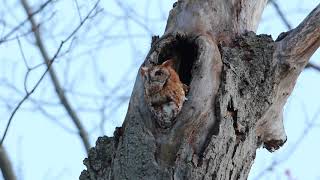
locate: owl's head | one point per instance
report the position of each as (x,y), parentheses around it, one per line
(156,76)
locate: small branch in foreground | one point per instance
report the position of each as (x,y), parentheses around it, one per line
(59,90)
(281,14)
(309,126)
(49,63)
(5,37)
(6,166)
(313,66)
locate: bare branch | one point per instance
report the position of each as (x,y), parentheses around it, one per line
(59,90)
(289,27)
(313,66)
(25,63)
(299,44)
(49,64)
(6,166)
(309,126)
(4,38)
(20,103)
(281,14)
(78,9)
(39,106)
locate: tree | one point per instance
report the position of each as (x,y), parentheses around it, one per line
(6,37)
(239,83)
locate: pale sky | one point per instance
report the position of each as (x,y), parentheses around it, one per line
(40,149)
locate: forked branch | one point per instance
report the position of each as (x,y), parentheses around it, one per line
(298,45)
(59,90)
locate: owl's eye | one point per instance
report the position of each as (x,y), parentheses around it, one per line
(158,73)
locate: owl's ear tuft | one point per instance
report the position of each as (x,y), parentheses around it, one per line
(143,70)
(168,63)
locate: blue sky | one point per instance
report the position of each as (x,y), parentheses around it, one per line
(41,149)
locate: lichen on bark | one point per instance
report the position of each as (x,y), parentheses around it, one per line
(239,83)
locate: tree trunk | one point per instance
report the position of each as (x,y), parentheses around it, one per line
(239,83)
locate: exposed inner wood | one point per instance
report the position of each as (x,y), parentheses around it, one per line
(184,52)
(238,84)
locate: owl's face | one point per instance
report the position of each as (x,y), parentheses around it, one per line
(158,75)
(155,77)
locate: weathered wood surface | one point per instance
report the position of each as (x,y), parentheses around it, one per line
(239,83)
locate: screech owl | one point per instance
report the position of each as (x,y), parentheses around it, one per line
(163,92)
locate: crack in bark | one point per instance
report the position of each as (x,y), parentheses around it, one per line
(252,75)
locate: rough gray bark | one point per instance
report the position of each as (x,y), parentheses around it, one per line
(239,83)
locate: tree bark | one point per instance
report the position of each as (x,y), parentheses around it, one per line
(239,83)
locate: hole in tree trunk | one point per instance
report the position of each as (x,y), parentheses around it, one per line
(184,51)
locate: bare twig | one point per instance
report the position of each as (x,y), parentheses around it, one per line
(24,99)
(39,106)
(26,64)
(309,126)
(4,38)
(281,14)
(49,63)
(59,90)
(6,166)
(313,66)
(78,9)
(131,14)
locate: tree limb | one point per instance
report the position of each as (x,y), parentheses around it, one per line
(235,100)
(281,14)
(313,66)
(5,37)
(28,94)
(6,166)
(299,44)
(289,27)
(59,90)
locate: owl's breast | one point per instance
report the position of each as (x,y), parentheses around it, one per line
(157,99)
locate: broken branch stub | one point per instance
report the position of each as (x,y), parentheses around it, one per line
(238,85)
(234,106)
(251,84)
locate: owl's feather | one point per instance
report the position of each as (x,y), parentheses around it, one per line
(164,92)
